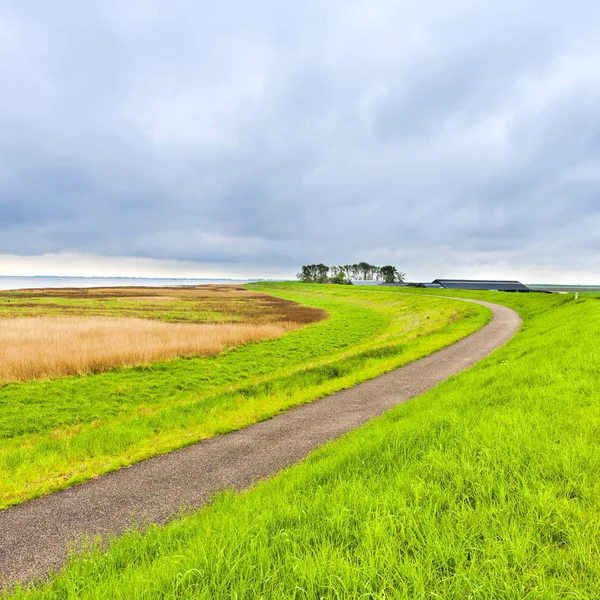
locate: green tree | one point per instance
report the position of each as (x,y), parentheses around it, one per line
(340,277)
(365,270)
(318,273)
(322,272)
(390,274)
(305,274)
(313,273)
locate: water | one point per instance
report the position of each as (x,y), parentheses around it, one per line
(19,283)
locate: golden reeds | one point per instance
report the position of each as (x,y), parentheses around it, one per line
(39,347)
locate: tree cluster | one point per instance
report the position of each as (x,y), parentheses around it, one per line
(344,273)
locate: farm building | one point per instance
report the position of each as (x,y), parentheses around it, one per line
(476,284)
(367,282)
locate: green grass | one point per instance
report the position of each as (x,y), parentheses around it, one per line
(56,433)
(486,487)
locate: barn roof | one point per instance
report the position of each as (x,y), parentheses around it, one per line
(367,281)
(482,284)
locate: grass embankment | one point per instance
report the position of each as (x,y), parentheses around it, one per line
(488,486)
(59,432)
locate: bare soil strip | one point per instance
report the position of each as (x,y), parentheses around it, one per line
(34,536)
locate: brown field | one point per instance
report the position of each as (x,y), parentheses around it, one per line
(199,304)
(57,332)
(39,347)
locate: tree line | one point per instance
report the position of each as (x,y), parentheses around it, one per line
(363,271)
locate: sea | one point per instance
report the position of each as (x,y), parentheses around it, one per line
(20,283)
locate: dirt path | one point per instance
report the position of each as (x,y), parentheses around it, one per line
(34,536)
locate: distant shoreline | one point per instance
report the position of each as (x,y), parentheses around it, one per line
(8,282)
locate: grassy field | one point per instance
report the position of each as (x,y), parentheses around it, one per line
(57,432)
(486,487)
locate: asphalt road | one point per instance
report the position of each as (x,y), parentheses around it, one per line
(34,536)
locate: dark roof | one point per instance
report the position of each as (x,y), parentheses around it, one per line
(481,284)
(367,281)
(395,284)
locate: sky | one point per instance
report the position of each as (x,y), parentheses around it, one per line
(244,139)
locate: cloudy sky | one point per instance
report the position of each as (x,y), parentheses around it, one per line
(245,138)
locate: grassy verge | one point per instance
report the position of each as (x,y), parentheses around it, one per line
(59,432)
(488,486)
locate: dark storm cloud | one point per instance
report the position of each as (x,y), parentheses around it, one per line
(276,134)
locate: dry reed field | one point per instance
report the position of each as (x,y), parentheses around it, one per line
(40,347)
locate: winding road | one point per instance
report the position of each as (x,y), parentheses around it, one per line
(34,536)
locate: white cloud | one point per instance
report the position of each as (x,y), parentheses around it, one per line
(447,137)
